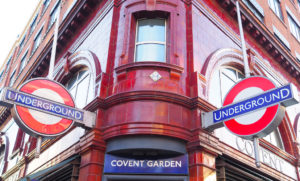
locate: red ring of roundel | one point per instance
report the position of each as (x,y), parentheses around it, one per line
(270,113)
(35,125)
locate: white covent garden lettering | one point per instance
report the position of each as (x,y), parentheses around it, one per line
(267,157)
(146,163)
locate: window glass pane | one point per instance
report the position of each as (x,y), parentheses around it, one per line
(80,87)
(274,139)
(37,40)
(295,29)
(151,30)
(2,152)
(11,132)
(221,83)
(226,84)
(215,90)
(12,78)
(231,73)
(275,6)
(271,3)
(53,16)
(46,4)
(81,73)
(91,91)
(21,44)
(82,92)
(1,76)
(240,76)
(71,82)
(255,8)
(23,62)
(73,92)
(33,25)
(150,52)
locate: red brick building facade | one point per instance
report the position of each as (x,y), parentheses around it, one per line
(149,69)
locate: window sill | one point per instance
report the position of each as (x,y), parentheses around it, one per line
(298,40)
(281,20)
(14,153)
(33,51)
(293,4)
(175,71)
(30,34)
(49,28)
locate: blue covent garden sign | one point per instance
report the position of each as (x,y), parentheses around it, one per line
(175,165)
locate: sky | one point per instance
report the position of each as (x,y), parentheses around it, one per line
(14,15)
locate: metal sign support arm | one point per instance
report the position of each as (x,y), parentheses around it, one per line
(256,152)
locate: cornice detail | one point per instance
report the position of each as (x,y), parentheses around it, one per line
(136,65)
(190,103)
(265,38)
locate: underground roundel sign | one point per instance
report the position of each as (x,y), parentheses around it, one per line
(39,123)
(264,119)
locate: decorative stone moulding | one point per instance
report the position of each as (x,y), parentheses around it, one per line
(174,70)
(155,76)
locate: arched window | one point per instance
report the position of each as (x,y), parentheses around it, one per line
(2,154)
(80,86)
(275,139)
(221,82)
(4,149)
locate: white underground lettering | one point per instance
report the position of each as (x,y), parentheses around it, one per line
(40,104)
(44,105)
(251,104)
(34,103)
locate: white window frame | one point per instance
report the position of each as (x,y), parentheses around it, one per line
(45,5)
(22,44)
(1,75)
(86,74)
(8,64)
(294,27)
(56,11)
(12,77)
(221,71)
(275,5)
(23,62)
(298,56)
(282,39)
(2,158)
(37,36)
(150,42)
(278,139)
(33,24)
(257,10)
